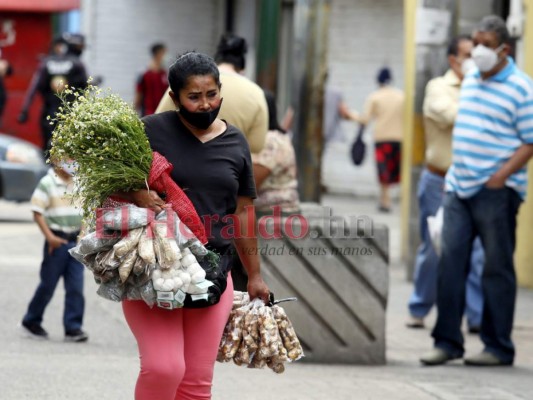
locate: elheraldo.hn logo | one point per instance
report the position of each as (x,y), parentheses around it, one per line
(322,225)
(275,225)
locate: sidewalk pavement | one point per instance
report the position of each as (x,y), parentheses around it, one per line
(106,366)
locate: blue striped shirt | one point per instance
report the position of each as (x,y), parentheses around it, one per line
(495,118)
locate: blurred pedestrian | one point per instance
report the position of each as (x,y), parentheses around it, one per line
(60,222)
(441,103)
(244,103)
(153,83)
(275,179)
(385,107)
(5,70)
(335,110)
(54,73)
(485,185)
(275,168)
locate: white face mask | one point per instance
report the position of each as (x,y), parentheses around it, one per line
(69,167)
(467,65)
(485,57)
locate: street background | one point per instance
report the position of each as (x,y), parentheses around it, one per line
(106,366)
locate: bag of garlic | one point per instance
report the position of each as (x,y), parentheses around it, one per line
(159,261)
(258,335)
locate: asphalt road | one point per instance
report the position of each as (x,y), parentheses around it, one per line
(106,366)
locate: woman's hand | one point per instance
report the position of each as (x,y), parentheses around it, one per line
(257,288)
(148,199)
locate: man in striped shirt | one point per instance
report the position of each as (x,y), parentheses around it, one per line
(492,143)
(59,221)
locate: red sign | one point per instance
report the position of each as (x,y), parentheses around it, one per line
(27,39)
(39,5)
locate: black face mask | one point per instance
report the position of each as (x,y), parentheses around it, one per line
(200,120)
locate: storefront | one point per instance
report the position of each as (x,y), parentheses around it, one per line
(26,30)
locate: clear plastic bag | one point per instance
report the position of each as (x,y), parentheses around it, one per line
(128,242)
(123,266)
(106,261)
(148,294)
(435,224)
(93,243)
(258,336)
(112,290)
(287,334)
(123,218)
(166,248)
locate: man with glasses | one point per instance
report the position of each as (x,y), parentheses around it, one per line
(441,103)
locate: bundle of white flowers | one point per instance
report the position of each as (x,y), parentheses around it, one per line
(105,137)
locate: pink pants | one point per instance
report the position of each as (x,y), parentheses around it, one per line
(177,348)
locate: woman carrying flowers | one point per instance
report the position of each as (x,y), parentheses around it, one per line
(212,164)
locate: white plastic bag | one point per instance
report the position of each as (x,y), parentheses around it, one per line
(435,224)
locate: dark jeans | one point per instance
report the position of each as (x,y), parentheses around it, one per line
(54,266)
(430,197)
(491,214)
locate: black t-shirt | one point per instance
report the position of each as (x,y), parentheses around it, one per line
(212,174)
(66,67)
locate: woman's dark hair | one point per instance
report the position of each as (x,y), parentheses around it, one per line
(231,49)
(453,47)
(190,64)
(384,76)
(156,48)
(273,124)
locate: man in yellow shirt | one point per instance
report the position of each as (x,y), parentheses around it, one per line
(441,104)
(244,104)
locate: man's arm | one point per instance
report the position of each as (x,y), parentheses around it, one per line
(439,103)
(517,161)
(79,76)
(346,113)
(30,93)
(524,129)
(260,174)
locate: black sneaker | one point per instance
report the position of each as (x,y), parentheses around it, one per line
(34,331)
(76,336)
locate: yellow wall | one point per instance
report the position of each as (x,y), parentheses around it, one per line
(409,7)
(524,246)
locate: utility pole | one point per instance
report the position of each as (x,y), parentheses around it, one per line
(267,47)
(311,25)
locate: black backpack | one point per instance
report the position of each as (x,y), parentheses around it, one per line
(358,147)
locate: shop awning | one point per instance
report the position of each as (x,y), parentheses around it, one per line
(39,5)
